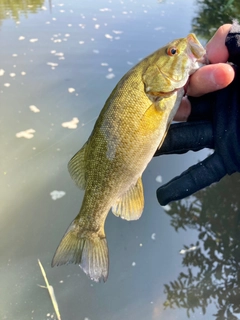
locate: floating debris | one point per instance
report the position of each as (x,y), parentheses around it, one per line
(12,75)
(33,40)
(28,134)
(117,32)
(159,179)
(158,28)
(34,109)
(55,194)
(52,64)
(21,38)
(71,90)
(110,75)
(105,9)
(167,207)
(71,124)
(7,85)
(153,236)
(108,36)
(59,54)
(134,264)
(50,290)
(193,248)
(2,72)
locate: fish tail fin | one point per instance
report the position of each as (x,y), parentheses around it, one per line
(86,248)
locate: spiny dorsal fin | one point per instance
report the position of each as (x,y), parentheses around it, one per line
(76,167)
(85,248)
(130,206)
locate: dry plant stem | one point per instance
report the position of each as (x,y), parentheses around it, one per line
(50,290)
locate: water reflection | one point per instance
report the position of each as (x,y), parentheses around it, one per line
(212,14)
(212,264)
(52,86)
(13,9)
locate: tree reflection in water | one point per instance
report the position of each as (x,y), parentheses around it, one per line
(13,9)
(212,14)
(213,269)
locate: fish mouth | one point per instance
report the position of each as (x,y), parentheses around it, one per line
(203,60)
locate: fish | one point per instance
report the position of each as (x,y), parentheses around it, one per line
(130,128)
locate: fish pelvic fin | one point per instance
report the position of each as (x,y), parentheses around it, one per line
(130,205)
(76,167)
(86,248)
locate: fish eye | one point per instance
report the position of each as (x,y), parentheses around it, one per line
(171,51)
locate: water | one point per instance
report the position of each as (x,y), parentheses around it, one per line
(59,62)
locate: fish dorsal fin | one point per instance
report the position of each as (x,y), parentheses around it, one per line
(76,167)
(130,206)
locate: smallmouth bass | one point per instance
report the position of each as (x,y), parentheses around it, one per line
(128,131)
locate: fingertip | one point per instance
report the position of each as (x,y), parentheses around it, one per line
(222,75)
(216,49)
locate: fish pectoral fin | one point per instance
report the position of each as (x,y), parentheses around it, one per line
(86,248)
(76,168)
(164,136)
(130,206)
(161,142)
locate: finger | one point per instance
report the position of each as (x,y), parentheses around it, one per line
(195,178)
(216,49)
(210,78)
(186,136)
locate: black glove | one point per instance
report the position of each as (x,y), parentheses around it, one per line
(214,123)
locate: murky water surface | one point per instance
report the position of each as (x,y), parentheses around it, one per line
(59,62)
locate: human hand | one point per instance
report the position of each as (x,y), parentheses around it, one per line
(217,75)
(213,122)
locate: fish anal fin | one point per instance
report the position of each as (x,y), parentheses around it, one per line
(130,206)
(76,168)
(86,248)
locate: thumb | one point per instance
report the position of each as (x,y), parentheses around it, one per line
(195,178)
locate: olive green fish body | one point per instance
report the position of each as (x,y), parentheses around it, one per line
(129,129)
